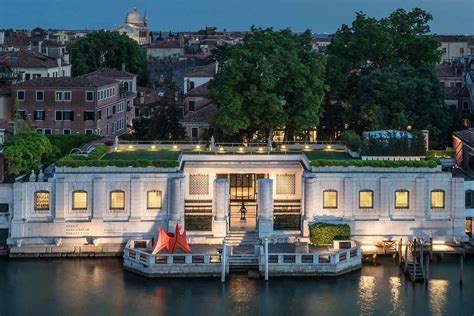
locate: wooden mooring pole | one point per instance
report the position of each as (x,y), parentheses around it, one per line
(223,261)
(461,271)
(400,252)
(427,268)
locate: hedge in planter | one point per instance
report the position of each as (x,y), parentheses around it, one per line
(325,233)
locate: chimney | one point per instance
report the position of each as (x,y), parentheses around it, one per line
(123,66)
(426,136)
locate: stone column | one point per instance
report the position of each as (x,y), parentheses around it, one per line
(221,207)
(348,198)
(136,196)
(310,190)
(99,200)
(422,199)
(265,207)
(386,195)
(176,208)
(60,200)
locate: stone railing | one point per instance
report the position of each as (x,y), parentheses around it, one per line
(140,260)
(335,262)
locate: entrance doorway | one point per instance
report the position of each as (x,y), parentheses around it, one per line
(243,200)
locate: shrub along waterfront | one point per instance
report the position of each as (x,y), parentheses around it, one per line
(325,233)
(429,163)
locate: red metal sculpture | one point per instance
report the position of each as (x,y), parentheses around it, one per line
(171,241)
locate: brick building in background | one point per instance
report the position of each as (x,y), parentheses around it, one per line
(78,105)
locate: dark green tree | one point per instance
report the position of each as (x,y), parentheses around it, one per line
(108,49)
(381,75)
(26,151)
(270,80)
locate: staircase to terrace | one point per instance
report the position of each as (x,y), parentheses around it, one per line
(243,257)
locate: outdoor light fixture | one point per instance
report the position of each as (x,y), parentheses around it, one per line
(130,147)
(198,147)
(306,147)
(260,149)
(243,213)
(153,146)
(175,147)
(221,148)
(241,149)
(283,147)
(328,146)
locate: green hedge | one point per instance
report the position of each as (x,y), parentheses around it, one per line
(325,233)
(429,163)
(198,223)
(73,163)
(287,222)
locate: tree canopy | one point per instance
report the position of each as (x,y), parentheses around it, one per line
(111,50)
(26,151)
(382,75)
(164,121)
(270,80)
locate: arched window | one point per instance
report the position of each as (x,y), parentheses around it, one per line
(125,85)
(79,200)
(402,199)
(329,199)
(437,199)
(366,199)
(154,200)
(117,200)
(42,201)
(469,199)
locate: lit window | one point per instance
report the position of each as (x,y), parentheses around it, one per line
(79,200)
(117,200)
(330,199)
(437,199)
(41,200)
(154,200)
(366,199)
(402,198)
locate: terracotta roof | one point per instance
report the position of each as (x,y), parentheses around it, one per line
(203,71)
(27,59)
(110,73)
(202,116)
(66,82)
(455,92)
(17,39)
(199,91)
(466,136)
(151,95)
(444,70)
(164,44)
(455,38)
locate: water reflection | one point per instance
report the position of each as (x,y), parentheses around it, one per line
(437,296)
(366,294)
(395,286)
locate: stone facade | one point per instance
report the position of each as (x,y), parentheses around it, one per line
(206,187)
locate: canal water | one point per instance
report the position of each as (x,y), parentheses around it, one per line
(101,287)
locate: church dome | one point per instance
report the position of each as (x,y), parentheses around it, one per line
(134,17)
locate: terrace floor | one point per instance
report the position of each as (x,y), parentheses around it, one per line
(164,154)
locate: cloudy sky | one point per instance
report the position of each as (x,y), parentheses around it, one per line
(450,16)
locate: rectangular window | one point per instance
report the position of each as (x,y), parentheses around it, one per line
(58,115)
(39,96)
(41,201)
(48,131)
(113,109)
(192,105)
(402,199)
(117,200)
(89,131)
(21,114)
(153,200)
(20,95)
(89,96)
(39,115)
(330,199)
(437,199)
(79,200)
(366,199)
(99,115)
(195,132)
(67,95)
(68,115)
(285,184)
(27,76)
(67,131)
(461,50)
(59,96)
(88,115)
